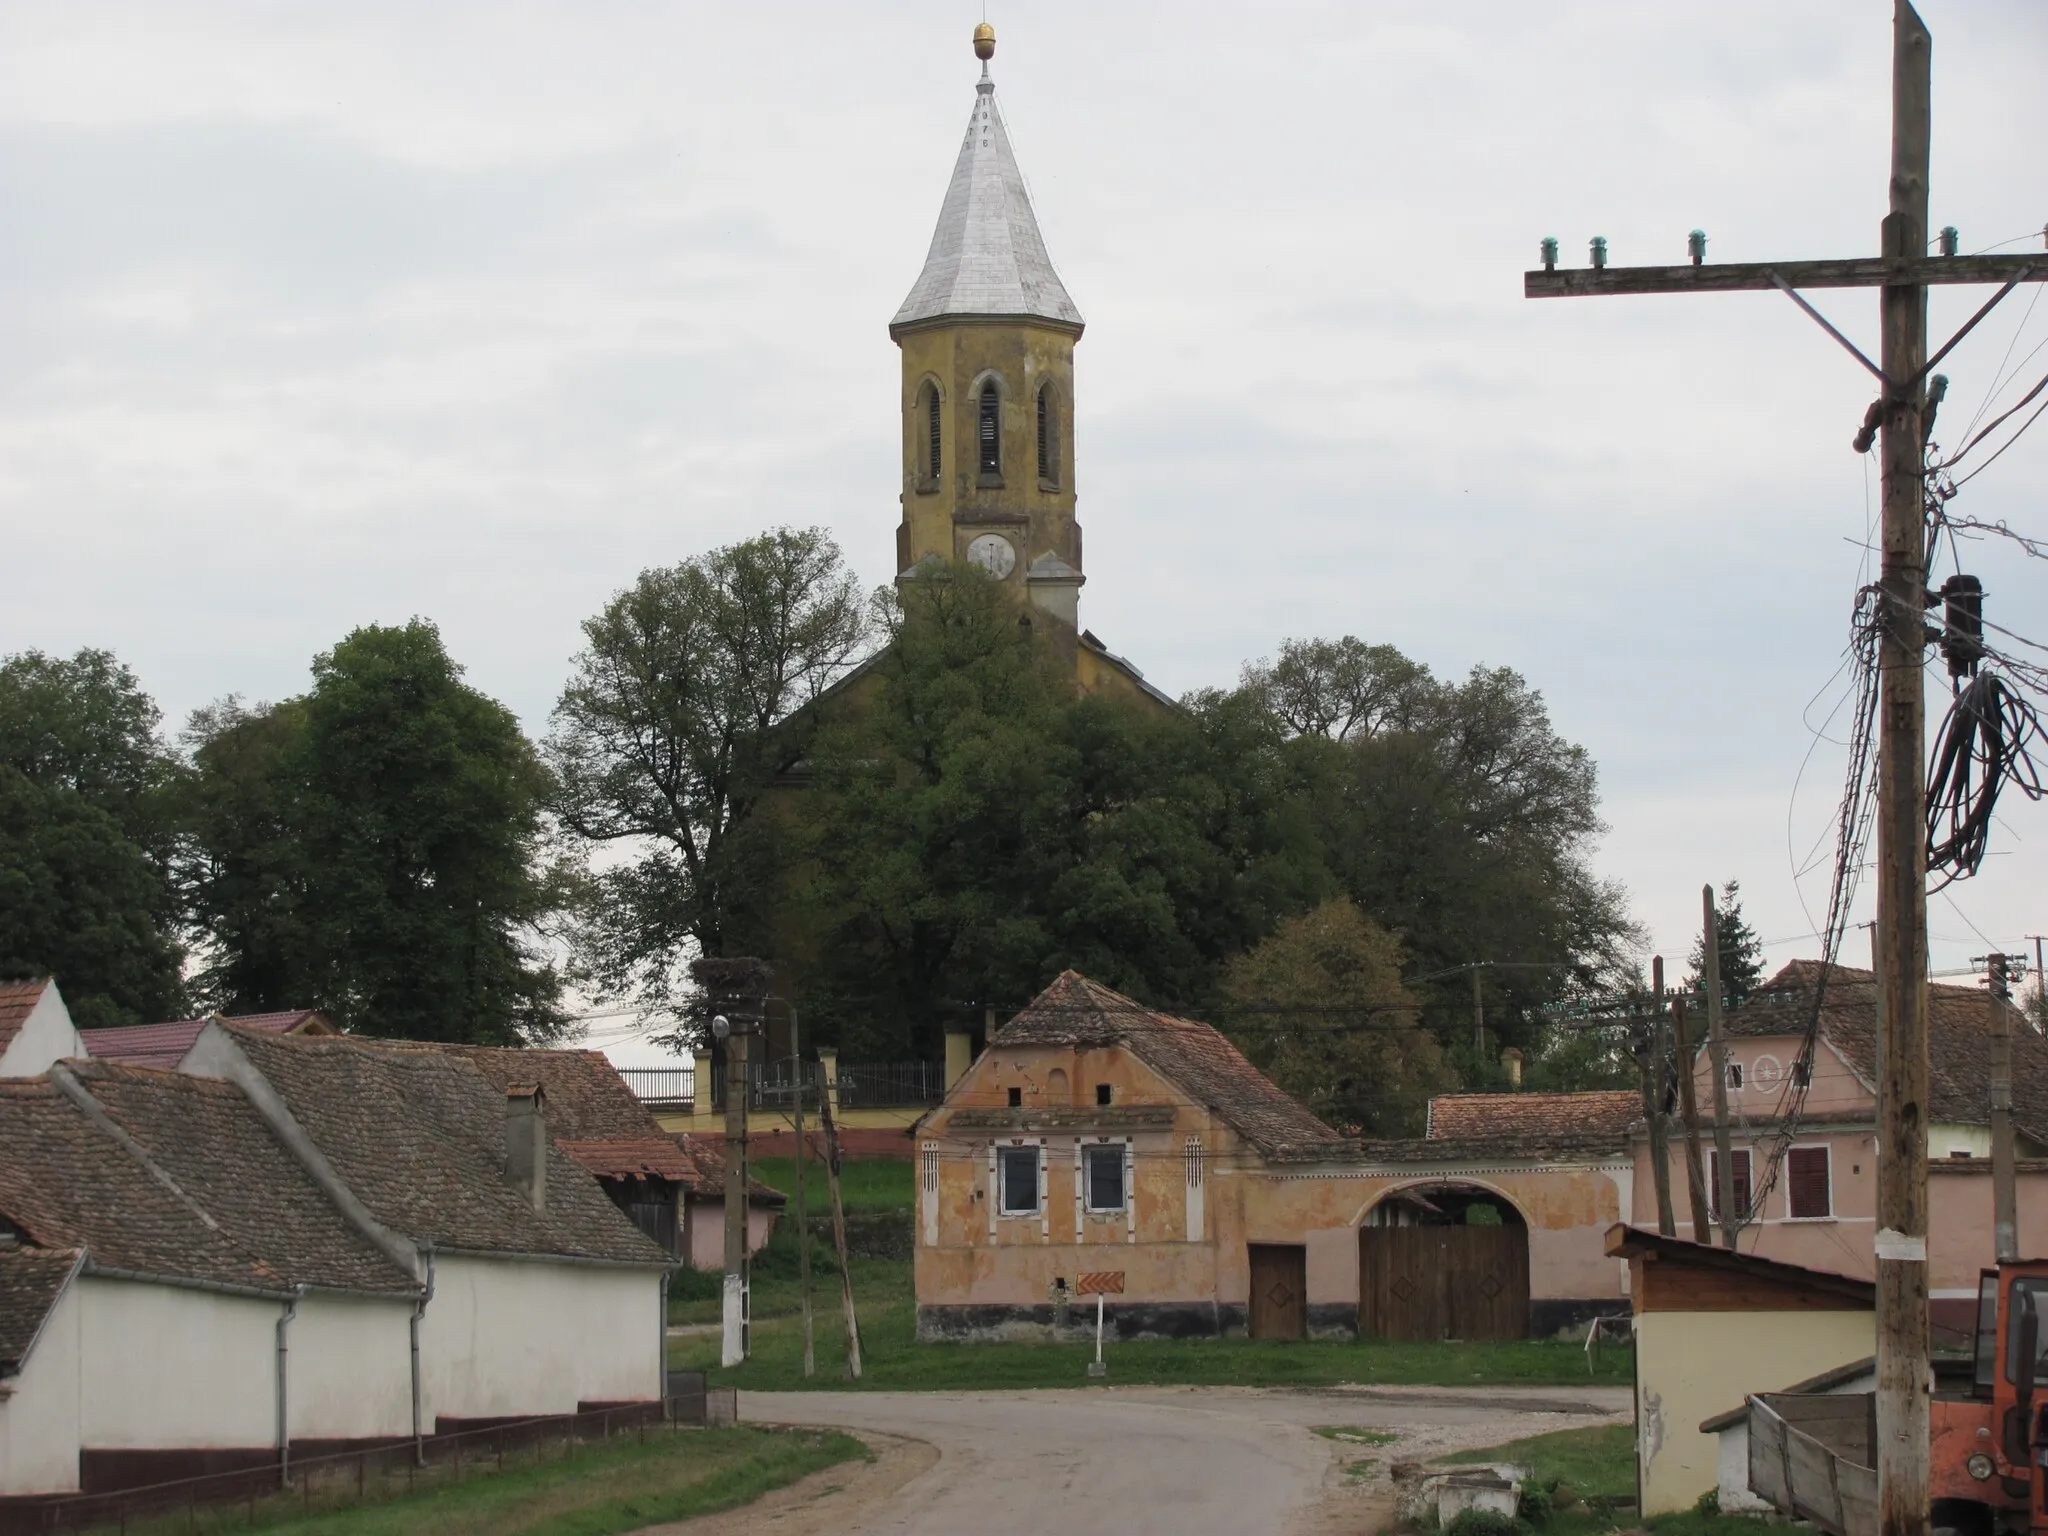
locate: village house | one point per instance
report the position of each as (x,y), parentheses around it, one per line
(35,1027)
(671,1185)
(298,1243)
(1810,1197)
(165,1045)
(1094,1136)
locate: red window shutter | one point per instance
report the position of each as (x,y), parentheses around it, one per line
(1806,1176)
(1740,1167)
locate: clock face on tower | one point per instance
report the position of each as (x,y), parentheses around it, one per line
(994,554)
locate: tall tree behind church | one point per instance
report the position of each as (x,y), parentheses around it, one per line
(374,849)
(681,711)
(1457,817)
(86,836)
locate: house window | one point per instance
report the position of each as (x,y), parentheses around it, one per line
(1192,1155)
(1018,1167)
(1735,1074)
(1103,1093)
(1740,1167)
(1105,1170)
(1802,1072)
(933,464)
(989,430)
(1806,1183)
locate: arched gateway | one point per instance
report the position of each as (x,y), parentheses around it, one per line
(1443,1260)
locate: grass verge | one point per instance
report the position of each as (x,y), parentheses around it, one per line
(1598,1467)
(598,1491)
(894,1360)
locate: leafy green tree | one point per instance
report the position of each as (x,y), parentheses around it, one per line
(1320,1008)
(684,707)
(86,832)
(1458,818)
(375,849)
(978,828)
(1741,950)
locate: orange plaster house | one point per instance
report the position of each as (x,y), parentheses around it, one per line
(1095,1136)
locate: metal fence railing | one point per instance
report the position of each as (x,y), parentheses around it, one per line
(862,1084)
(661,1085)
(226,1501)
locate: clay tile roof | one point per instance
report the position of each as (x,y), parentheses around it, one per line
(418,1133)
(1075,1011)
(31,1281)
(1536,1122)
(1958,1043)
(706,1159)
(165,1045)
(184,1180)
(591,1112)
(18,1000)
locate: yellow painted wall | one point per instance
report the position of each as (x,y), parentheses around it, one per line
(1691,1366)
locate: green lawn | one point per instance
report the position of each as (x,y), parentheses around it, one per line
(597,1491)
(1598,1467)
(893,1359)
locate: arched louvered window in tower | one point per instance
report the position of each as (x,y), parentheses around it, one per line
(1048,451)
(934,466)
(989,430)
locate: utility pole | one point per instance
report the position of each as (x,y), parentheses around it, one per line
(1717,1050)
(1653,1102)
(803,1222)
(2005,1223)
(825,1109)
(1901,271)
(734,1349)
(1689,1111)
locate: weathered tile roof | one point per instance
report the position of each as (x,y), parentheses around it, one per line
(419,1136)
(31,1280)
(1196,1058)
(987,256)
(1958,1039)
(706,1158)
(165,1045)
(183,1179)
(18,1000)
(1535,1122)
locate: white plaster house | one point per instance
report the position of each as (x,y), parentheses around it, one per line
(35,1028)
(293,1245)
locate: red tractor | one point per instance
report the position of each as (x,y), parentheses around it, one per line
(1989,1453)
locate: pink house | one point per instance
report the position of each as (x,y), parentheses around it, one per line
(1813,1191)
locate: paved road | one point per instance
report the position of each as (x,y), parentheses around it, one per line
(1126,1462)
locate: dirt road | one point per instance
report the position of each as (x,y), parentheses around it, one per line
(1197,1461)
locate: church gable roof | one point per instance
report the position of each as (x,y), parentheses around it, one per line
(987,256)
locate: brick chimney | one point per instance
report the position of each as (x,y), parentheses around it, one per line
(526,1142)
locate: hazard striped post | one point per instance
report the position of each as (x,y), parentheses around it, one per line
(1103,1282)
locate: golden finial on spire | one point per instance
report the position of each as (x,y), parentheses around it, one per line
(984,42)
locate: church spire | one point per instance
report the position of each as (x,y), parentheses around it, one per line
(987,257)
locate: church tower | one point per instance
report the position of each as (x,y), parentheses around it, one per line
(987,337)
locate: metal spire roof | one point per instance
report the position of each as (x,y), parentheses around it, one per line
(987,256)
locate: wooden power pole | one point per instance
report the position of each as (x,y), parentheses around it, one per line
(734,1349)
(1689,1112)
(1901,272)
(1732,1215)
(1654,1095)
(803,1210)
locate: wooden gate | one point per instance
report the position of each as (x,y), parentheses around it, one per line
(1443,1282)
(1279,1294)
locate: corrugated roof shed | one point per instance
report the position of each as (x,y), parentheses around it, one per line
(18,1000)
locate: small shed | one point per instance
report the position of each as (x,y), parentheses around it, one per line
(1731,1431)
(1714,1326)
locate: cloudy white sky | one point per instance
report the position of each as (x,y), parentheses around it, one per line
(317,315)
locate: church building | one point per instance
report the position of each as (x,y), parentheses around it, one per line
(987,336)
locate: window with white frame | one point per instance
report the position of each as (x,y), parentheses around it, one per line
(1735,1074)
(1807,1184)
(1017,1168)
(1102,1170)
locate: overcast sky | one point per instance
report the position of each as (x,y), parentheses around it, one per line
(313,316)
